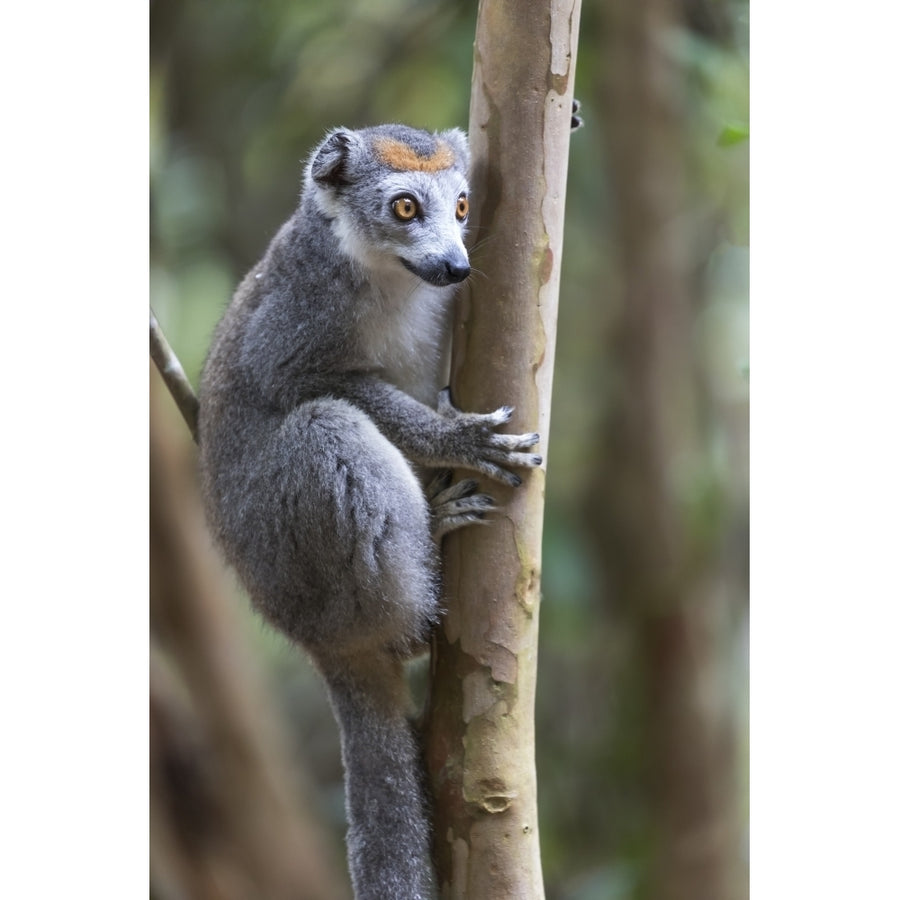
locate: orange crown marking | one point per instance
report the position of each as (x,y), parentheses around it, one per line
(402,158)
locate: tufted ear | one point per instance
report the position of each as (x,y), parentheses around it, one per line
(331,161)
(459,143)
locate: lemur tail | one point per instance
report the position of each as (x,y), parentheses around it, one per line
(389,838)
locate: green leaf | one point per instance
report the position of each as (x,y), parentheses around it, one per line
(733,133)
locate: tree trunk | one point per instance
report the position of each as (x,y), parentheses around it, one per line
(480,733)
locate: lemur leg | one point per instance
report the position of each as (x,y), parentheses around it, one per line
(341,548)
(455,505)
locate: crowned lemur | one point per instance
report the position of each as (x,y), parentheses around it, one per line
(320,408)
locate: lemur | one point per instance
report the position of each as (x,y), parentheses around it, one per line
(320,416)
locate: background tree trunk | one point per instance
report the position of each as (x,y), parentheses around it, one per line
(481,728)
(224,806)
(662,504)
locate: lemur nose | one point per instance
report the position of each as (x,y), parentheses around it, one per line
(456,271)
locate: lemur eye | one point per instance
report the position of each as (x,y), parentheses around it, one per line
(405,208)
(462,207)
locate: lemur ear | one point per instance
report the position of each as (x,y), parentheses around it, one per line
(330,162)
(459,143)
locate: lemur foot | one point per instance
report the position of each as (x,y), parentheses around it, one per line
(577,121)
(455,505)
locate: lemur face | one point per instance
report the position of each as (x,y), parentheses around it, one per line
(398,197)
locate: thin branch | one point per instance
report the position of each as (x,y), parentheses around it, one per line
(173,375)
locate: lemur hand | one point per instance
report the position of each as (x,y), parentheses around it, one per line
(477,445)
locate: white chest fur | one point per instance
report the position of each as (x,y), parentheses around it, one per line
(405,334)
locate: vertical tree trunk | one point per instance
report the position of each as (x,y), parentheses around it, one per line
(481,728)
(663,507)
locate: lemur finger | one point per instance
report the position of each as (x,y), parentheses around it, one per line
(498,416)
(488,420)
(476,506)
(446,408)
(515,441)
(475,503)
(498,473)
(458,491)
(451,523)
(460,505)
(510,458)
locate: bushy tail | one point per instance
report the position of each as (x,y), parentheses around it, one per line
(389,838)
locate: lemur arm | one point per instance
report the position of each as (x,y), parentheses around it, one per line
(445,437)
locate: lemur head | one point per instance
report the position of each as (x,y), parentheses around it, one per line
(396,196)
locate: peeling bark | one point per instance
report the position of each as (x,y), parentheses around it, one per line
(480,733)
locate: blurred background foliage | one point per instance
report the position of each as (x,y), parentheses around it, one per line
(239,94)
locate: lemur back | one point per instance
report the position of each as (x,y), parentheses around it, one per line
(319,410)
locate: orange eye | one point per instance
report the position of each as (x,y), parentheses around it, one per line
(462,207)
(405,208)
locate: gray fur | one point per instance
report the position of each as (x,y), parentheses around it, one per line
(319,396)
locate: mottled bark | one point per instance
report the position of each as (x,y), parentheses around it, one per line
(481,727)
(224,808)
